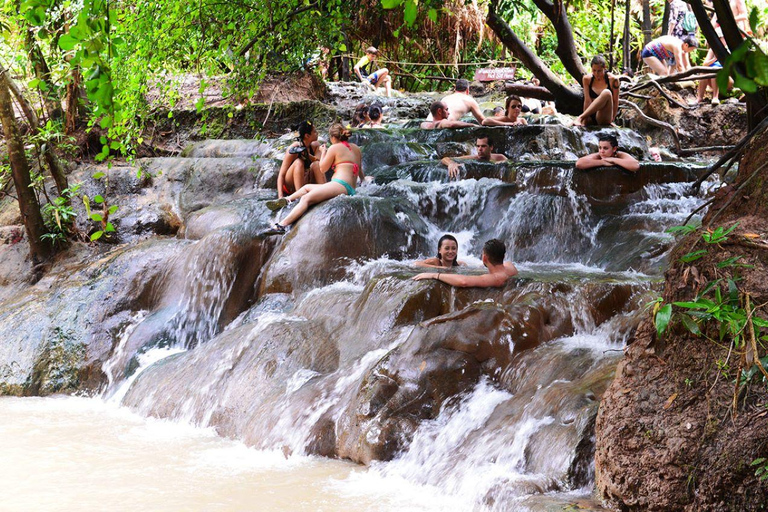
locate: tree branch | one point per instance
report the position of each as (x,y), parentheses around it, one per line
(567,99)
(566,46)
(653,122)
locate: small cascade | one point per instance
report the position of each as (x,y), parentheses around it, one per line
(320,342)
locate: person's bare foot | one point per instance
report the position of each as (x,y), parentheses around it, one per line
(579,122)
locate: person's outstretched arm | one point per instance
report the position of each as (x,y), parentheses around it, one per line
(453,167)
(591,161)
(625,161)
(455,124)
(460,281)
(475,109)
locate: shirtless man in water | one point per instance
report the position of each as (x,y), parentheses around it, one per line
(439,111)
(484,154)
(460,102)
(493,259)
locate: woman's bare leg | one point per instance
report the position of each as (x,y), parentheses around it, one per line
(601,107)
(306,189)
(656,66)
(604,115)
(316,173)
(315,194)
(295,174)
(715,89)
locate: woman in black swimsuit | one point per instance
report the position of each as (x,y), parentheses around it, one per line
(601,96)
(300,165)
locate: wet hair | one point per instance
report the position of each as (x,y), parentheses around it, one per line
(691,41)
(372,49)
(495,250)
(338,132)
(304,128)
(487,139)
(610,139)
(374,112)
(598,60)
(509,100)
(435,106)
(498,110)
(462,84)
(440,244)
(358,118)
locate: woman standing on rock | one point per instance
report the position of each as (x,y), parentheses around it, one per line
(300,164)
(344,158)
(447,250)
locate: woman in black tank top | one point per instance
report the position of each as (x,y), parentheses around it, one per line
(601,96)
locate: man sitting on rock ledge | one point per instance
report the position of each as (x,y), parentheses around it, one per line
(493,259)
(608,155)
(484,154)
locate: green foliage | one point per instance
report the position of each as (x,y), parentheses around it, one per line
(59,216)
(105,227)
(762,468)
(52,134)
(714,304)
(747,65)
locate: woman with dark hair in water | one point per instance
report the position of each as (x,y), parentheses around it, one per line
(374,114)
(447,250)
(360,117)
(300,164)
(344,158)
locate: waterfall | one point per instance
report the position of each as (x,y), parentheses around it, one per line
(320,343)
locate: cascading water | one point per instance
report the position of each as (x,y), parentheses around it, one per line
(320,343)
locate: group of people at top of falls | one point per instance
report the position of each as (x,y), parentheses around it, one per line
(311,172)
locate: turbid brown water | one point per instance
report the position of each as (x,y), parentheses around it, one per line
(67,454)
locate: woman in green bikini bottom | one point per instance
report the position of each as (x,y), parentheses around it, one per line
(344,158)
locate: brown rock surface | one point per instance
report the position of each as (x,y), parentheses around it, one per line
(670,435)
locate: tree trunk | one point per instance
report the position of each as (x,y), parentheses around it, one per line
(725,18)
(345,74)
(646,22)
(42,73)
(567,99)
(73,100)
(626,53)
(53,162)
(665,19)
(28,205)
(702,18)
(566,46)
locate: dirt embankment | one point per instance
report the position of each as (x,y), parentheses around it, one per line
(674,432)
